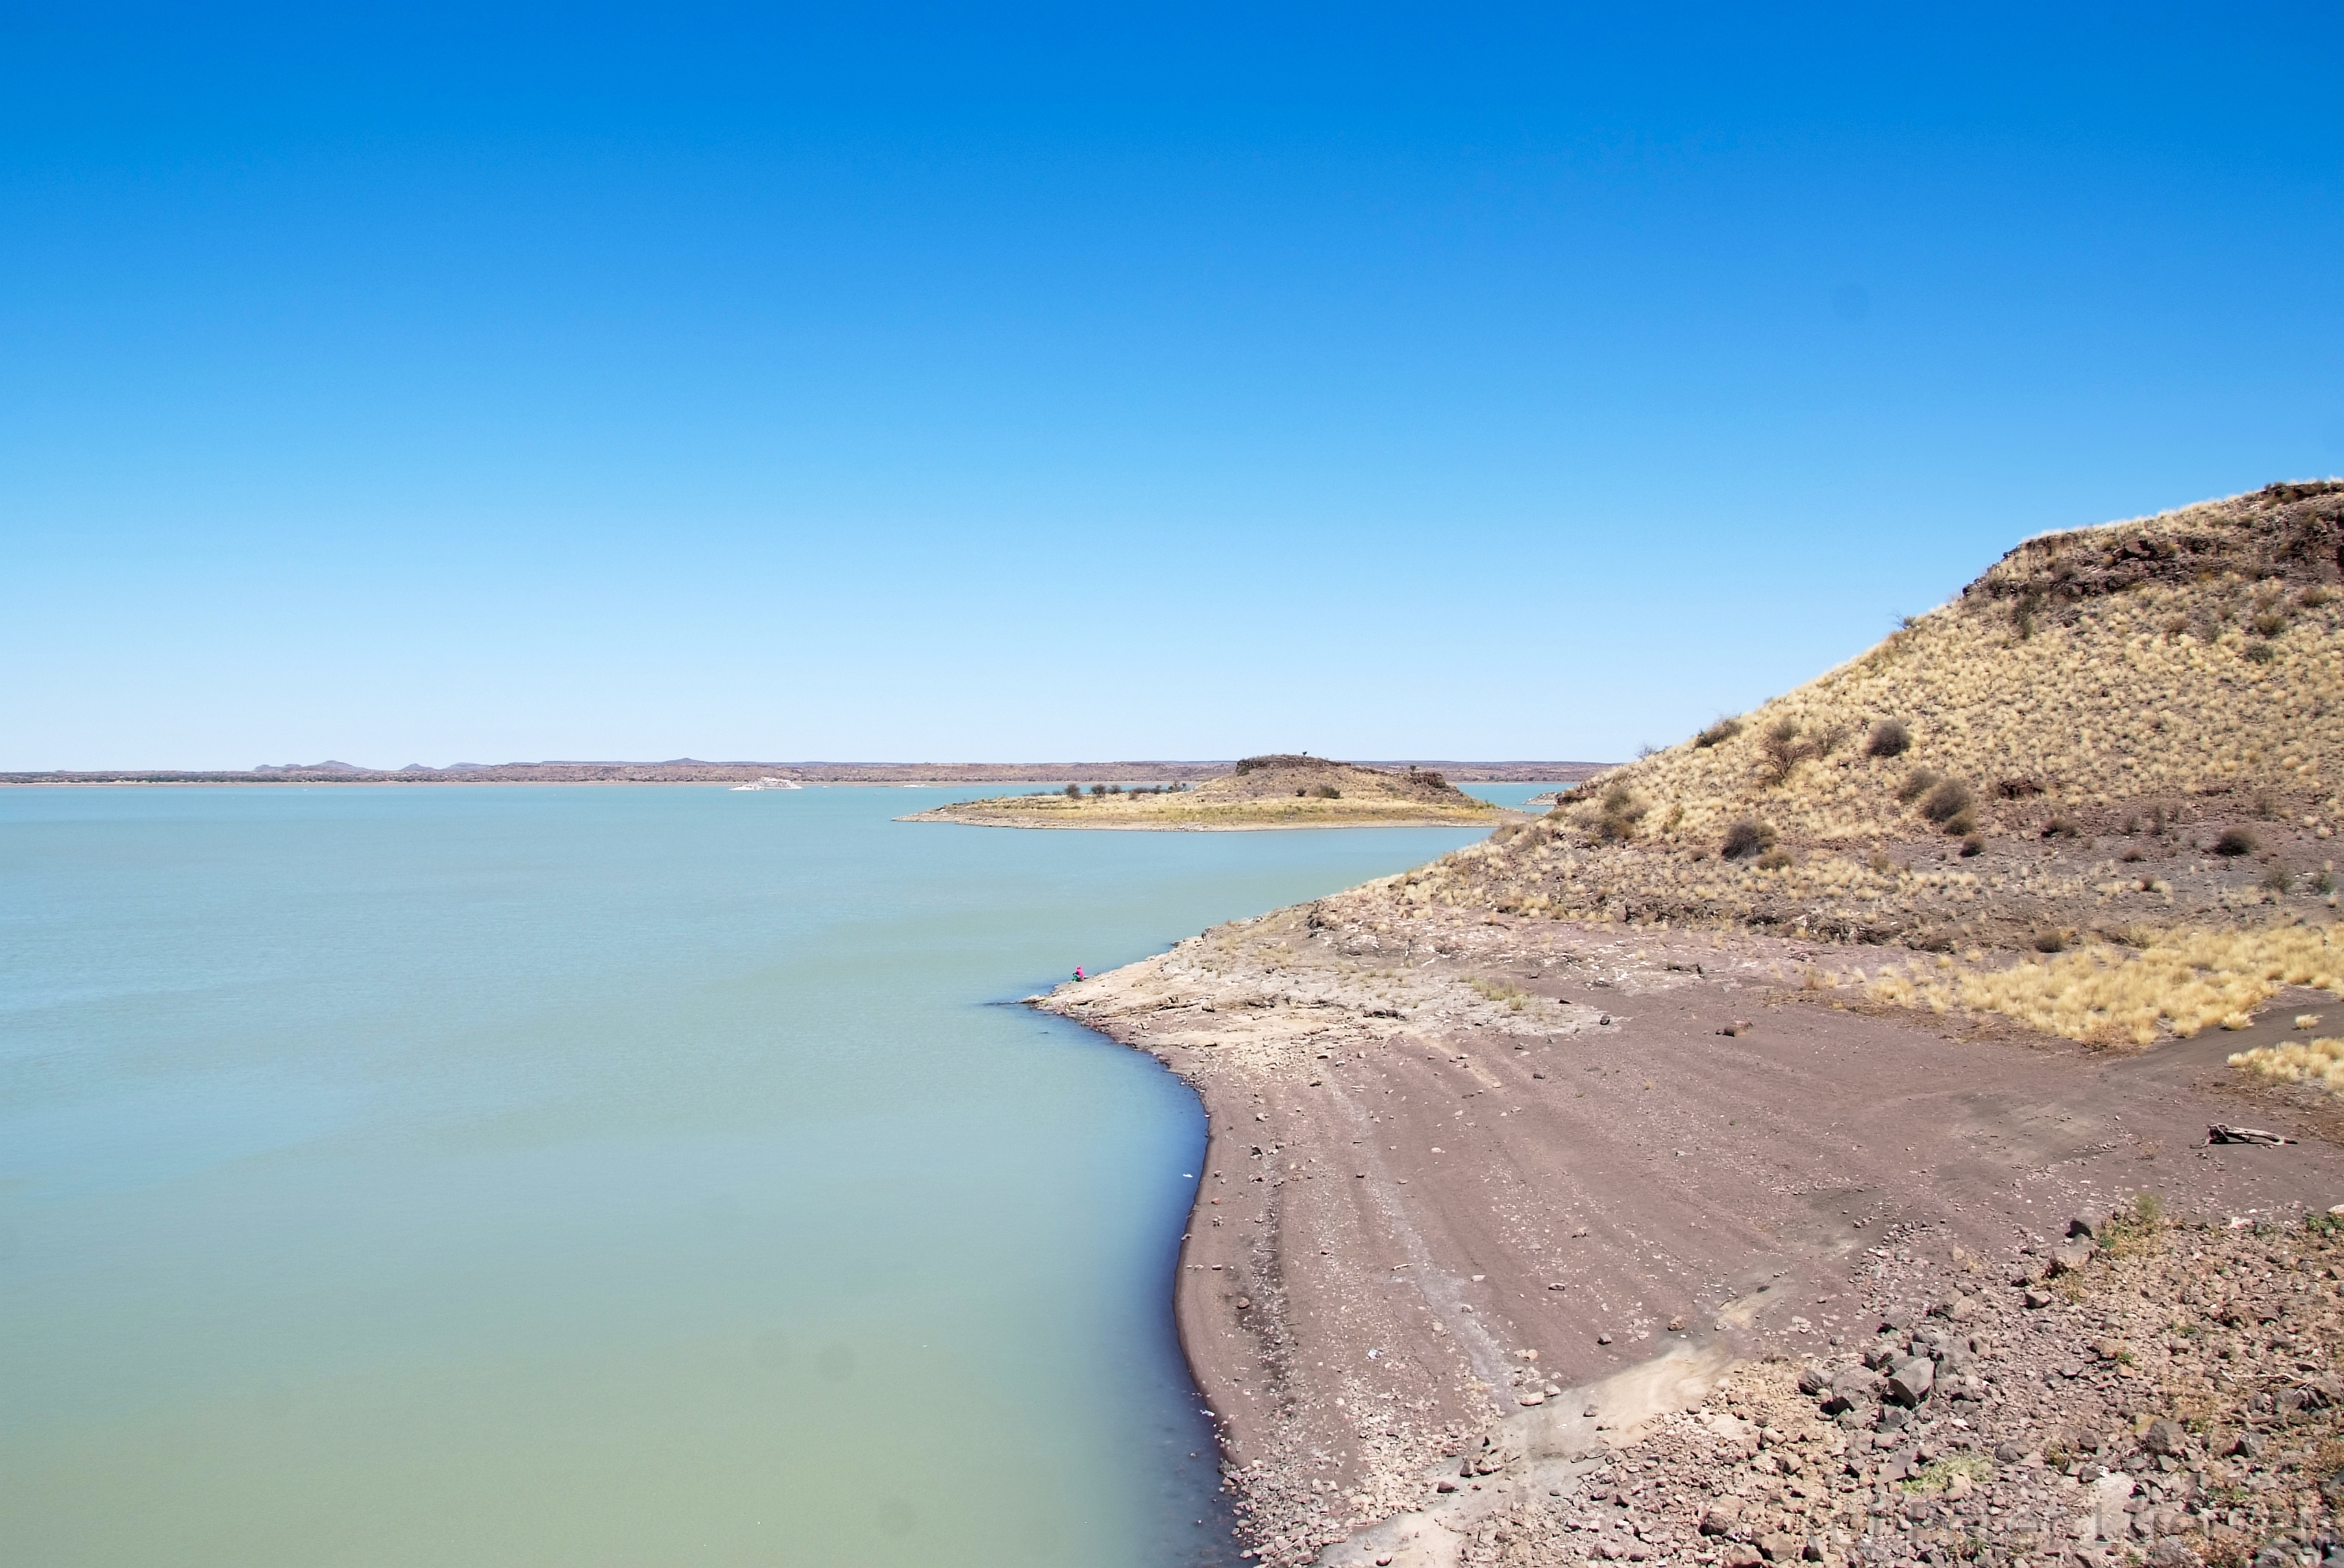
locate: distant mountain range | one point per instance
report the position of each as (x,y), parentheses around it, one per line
(691,770)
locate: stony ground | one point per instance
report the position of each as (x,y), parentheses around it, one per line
(2170,1396)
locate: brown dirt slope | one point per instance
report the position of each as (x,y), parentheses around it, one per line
(2059,750)
(1273,791)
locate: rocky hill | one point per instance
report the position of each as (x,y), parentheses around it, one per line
(2113,732)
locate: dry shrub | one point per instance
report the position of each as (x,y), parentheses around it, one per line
(2235,842)
(1946,803)
(2182,981)
(1746,837)
(1719,733)
(1774,859)
(1889,737)
(1619,813)
(1780,749)
(1917,783)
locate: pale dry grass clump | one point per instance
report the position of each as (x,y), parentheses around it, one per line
(2179,982)
(2319,1061)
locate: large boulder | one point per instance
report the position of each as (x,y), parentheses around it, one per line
(1722,1516)
(1852,1388)
(1910,1383)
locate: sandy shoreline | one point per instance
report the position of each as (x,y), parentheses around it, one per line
(1439,1143)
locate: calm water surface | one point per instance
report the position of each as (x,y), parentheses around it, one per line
(595,1176)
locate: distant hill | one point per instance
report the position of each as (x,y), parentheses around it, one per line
(1283,790)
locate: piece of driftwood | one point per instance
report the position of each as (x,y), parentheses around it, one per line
(2218,1133)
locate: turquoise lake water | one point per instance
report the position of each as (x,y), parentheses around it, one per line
(595,1176)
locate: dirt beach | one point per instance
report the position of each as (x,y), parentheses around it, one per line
(1472,1172)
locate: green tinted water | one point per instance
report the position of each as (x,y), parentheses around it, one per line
(582,1176)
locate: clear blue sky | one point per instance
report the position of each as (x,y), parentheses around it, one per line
(1010,382)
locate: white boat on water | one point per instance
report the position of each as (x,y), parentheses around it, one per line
(769,782)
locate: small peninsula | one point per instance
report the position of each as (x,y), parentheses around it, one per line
(1274,791)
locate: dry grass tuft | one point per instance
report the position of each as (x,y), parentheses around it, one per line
(2318,1061)
(2180,983)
